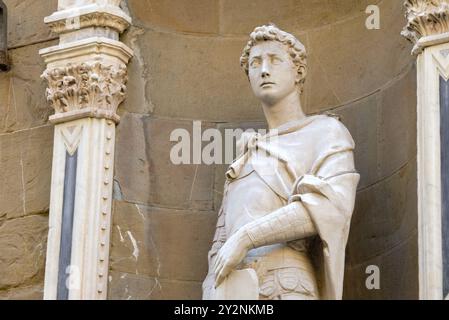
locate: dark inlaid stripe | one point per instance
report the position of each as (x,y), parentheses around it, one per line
(444,131)
(68,209)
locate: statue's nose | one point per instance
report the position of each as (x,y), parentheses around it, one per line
(265,70)
(265,74)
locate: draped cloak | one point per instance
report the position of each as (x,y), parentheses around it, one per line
(309,161)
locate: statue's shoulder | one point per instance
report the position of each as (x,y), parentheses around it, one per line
(332,129)
(329,120)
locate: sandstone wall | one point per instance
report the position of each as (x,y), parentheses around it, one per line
(186,68)
(26,141)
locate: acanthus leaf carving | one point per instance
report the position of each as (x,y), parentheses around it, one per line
(86,85)
(425,18)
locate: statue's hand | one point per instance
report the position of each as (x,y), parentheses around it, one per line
(230,255)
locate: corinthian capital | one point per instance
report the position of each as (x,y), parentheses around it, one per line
(86,88)
(426,18)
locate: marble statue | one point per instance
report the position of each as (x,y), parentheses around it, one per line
(289,196)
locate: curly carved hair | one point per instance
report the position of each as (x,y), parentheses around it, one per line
(271,32)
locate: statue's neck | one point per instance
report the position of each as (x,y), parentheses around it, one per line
(283,111)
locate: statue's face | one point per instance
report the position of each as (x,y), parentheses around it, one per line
(272,73)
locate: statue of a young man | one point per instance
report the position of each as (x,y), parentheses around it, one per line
(290,194)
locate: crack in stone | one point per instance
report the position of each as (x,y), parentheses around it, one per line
(193,183)
(158,270)
(134,243)
(140,212)
(120,233)
(23,185)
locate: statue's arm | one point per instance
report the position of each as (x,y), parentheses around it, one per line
(218,242)
(289,223)
(333,184)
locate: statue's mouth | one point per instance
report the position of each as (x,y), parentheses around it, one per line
(267,83)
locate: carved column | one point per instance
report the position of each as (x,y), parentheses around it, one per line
(86,75)
(428,29)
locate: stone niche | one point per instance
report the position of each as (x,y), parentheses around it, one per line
(187,68)
(367,77)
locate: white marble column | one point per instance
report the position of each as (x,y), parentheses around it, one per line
(428,29)
(87,76)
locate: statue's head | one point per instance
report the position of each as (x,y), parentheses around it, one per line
(275,62)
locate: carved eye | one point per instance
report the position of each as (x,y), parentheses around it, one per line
(276,60)
(255,63)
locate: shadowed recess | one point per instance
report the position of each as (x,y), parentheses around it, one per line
(68,208)
(444,118)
